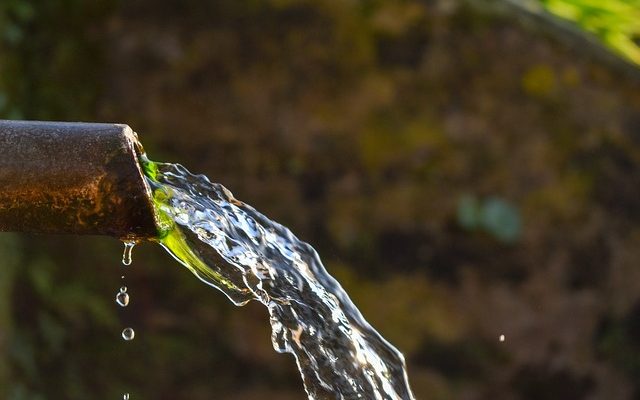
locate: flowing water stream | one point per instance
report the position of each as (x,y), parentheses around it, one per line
(234,248)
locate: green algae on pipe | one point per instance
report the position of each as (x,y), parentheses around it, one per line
(75,178)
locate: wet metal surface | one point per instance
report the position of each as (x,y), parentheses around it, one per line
(78,178)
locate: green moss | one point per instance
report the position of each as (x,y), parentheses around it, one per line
(170,235)
(175,241)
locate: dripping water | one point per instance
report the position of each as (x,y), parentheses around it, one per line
(128,334)
(122,297)
(127,253)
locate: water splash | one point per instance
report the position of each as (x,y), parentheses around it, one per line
(234,248)
(122,297)
(125,396)
(127,253)
(128,334)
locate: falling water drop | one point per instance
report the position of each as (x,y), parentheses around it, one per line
(128,334)
(501,338)
(128,249)
(122,298)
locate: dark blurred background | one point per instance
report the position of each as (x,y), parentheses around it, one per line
(466,169)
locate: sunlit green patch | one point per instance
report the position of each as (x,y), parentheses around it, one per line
(176,243)
(170,235)
(615,22)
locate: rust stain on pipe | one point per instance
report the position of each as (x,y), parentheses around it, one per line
(77,178)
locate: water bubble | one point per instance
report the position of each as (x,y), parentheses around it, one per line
(128,249)
(128,334)
(125,396)
(122,298)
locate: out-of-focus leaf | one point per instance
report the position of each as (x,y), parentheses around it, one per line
(615,22)
(468,212)
(501,219)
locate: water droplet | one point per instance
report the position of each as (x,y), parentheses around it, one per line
(128,334)
(125,396)
(501,338)
(122,298)
(128,249)
(122,277)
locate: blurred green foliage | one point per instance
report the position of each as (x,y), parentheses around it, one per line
(494,215)
(615,22)
(34,67)
(363,126)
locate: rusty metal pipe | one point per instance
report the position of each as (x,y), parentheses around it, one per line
(77,178)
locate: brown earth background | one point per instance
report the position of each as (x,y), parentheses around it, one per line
(463,172)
